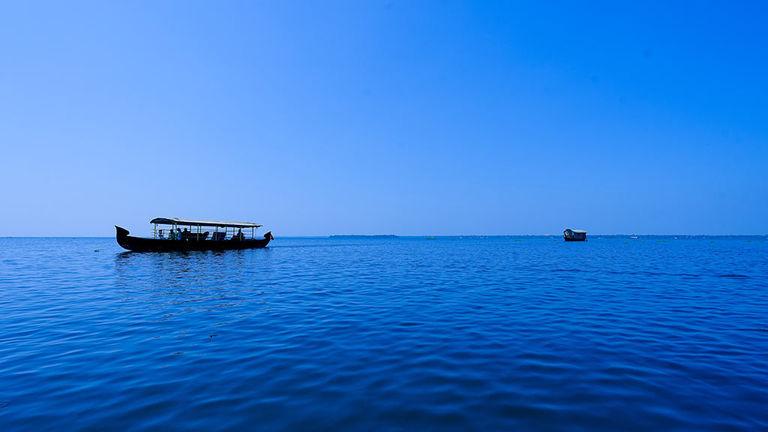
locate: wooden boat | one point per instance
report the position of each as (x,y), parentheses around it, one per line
(226,236)
(574,235)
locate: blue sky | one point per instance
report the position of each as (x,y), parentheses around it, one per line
(385,116)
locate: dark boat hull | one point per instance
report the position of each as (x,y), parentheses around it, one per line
(140,244)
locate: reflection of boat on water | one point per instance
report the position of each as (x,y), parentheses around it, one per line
(226,236)
(634,237)
(574,235)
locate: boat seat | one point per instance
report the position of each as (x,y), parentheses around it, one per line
(196,236)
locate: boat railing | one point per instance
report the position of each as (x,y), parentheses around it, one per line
(201,233)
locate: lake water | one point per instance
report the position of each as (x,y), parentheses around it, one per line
(498,333)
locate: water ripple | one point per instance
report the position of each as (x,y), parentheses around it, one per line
(475,333)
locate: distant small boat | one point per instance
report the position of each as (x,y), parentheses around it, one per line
(574,235)
(226,236)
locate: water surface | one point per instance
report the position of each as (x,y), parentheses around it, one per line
(511,333)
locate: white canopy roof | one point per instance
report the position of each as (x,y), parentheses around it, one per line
(189,222)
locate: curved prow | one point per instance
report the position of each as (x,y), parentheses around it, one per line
(121,232)
(122,237)
(269,236)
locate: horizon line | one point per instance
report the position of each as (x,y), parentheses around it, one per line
(439,235)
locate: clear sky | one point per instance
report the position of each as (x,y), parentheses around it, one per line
(402,117)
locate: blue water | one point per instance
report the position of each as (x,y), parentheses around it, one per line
(517,333)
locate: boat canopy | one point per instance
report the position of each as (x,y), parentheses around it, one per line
(187,222)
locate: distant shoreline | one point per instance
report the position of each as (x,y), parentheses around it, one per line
(342,236)
(431,236)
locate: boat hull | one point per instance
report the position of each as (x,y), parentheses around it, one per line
(574,239)
(141,244)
